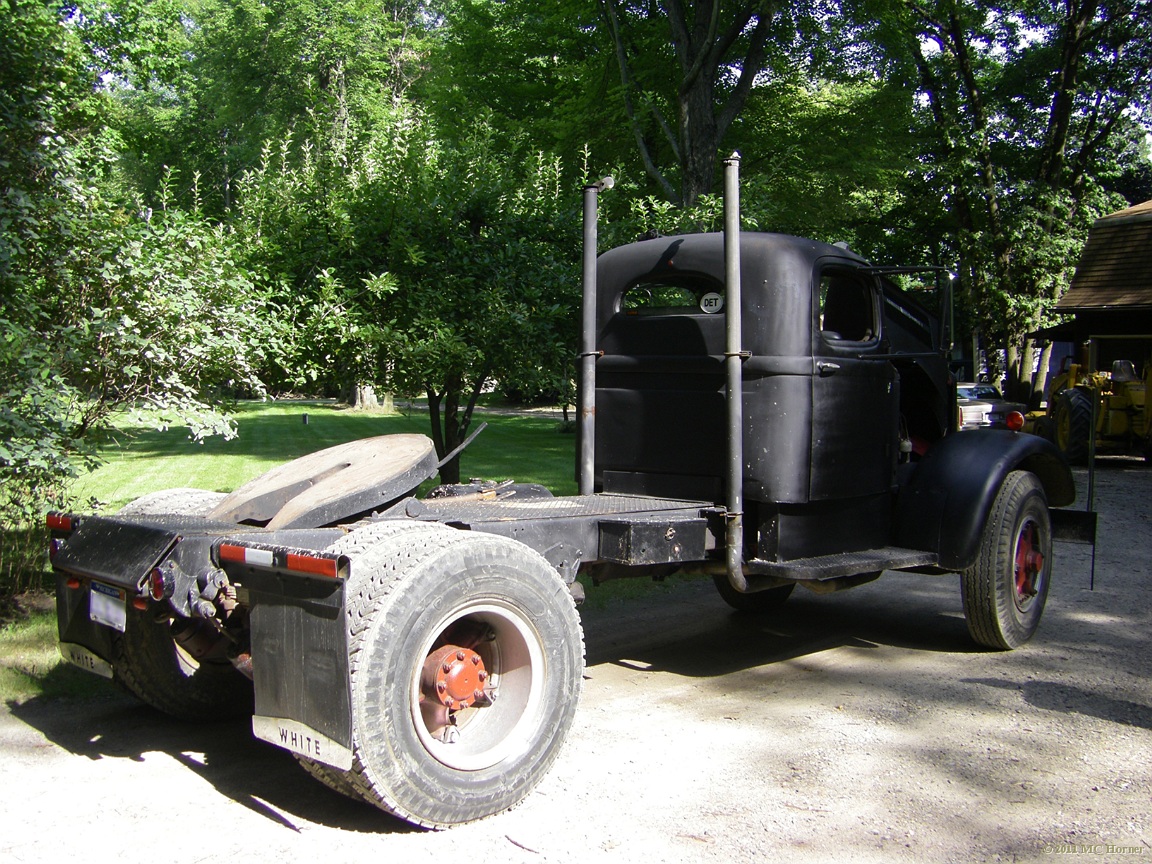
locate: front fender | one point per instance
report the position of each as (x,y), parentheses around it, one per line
(944,502)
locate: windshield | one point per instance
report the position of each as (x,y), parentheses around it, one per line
(977,391)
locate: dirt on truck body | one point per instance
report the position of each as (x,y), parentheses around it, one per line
(766,410)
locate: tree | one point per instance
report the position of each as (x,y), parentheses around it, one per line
(201,87)
(481,248)
(1032,107)
(719,51)
(658,83)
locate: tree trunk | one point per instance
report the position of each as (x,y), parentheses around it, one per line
(705,43)
(450,430)
(1040,379)
(363,396)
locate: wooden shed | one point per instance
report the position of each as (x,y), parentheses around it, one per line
(1111,291)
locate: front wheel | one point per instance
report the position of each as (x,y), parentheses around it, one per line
(466,661)
(1004,591)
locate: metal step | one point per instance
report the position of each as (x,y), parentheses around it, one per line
(822,567)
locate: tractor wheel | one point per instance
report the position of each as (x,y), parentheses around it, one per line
(758,601)
(466,661)
(177,665)
(1044,428)
(1004,591)
(1072,424)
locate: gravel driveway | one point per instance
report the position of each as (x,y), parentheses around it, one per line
(861,726)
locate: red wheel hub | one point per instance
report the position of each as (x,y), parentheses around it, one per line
(454,677)
(1029,561)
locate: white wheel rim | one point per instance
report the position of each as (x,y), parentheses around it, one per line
(480,736)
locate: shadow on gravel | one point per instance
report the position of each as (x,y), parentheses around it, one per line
(258,776)
(1068,699)
(694,633)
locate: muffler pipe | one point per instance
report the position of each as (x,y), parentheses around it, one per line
(734,384)
(586,395)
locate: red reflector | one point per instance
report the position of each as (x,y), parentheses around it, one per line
(73,583)
(156,584)
(229,552)
(140,603)
(59,522)
(1014,421)
(308,564)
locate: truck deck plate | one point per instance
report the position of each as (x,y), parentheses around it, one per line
(570,507)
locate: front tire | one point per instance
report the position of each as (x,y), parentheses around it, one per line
(1005,590)
(466,662)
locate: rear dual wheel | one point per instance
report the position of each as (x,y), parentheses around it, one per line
(177,665)
(466,661)
(1005,589)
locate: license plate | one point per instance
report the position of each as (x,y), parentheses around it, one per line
(106,606)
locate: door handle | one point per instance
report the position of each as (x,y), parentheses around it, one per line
(826,367)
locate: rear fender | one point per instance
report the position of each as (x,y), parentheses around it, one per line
(944,502)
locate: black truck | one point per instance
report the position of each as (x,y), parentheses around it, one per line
(764,410)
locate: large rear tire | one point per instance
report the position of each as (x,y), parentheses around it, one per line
(466,661)
(1005,590)
(149,663)
(173,502)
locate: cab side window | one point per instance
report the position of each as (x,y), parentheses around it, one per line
(847,307)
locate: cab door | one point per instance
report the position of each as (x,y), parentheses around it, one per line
(855,398)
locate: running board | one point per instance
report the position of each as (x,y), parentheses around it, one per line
(822,567)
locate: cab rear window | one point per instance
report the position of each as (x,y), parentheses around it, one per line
(683,296)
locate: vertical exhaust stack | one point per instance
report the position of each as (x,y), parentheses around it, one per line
(734,385)
(586,398)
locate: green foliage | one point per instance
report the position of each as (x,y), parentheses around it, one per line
(1025,110)
(104,305)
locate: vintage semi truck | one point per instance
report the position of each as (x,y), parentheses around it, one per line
(764,410)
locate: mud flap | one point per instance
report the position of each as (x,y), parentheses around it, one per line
(300,665)
(82,641)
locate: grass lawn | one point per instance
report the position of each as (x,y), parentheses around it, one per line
(525,448)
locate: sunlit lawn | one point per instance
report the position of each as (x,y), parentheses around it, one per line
(525,448)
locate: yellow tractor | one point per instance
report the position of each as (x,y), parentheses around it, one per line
(1112,403)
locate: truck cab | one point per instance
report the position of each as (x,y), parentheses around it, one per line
(844,380)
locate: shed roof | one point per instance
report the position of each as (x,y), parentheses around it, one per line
(1115,268)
